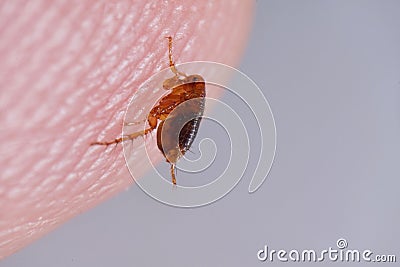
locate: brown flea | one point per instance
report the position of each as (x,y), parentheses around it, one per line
(187,118)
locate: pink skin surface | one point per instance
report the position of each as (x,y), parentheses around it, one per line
(68,70)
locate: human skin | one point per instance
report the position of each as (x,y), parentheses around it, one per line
(68,70)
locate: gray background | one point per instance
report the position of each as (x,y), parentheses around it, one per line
(331,73)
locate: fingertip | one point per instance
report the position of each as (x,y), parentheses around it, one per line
(81,77)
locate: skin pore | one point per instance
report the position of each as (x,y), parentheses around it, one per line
(68,71)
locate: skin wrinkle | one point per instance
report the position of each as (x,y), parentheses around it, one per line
(40,30)
(12,28)
(69,63)
(92,72)
(112,101)
(33,108)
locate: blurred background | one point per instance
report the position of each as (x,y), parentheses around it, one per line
(331,73)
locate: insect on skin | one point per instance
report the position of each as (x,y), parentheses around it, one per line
(173,144)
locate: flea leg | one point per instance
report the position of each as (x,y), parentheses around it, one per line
(173,174)
(171,62)
(134,123)
(124,138)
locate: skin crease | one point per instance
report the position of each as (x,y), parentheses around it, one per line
(68,70)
